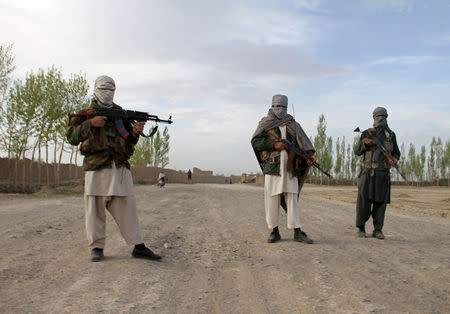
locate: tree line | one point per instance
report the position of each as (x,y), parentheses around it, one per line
(33,122)
(418,166)
(34,119)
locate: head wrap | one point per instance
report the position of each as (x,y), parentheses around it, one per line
(279,100)
(104,89)
(379,117)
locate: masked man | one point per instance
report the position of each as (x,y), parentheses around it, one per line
(107,146)
(374,183)
(284,171)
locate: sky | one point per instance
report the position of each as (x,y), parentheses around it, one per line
(215,65)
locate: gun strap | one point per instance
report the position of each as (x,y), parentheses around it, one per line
(121,128)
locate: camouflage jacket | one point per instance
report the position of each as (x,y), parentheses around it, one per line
(101,146)
(269,158)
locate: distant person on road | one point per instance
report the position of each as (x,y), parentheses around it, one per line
(189,176)
(108,180)
(161,179)
(284,171)
(374,181)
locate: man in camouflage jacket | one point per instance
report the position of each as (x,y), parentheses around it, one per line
(108,180)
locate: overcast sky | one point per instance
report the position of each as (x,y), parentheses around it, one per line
(214,65)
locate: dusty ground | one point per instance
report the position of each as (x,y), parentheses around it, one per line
(220,262)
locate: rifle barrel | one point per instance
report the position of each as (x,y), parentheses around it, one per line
(120,114)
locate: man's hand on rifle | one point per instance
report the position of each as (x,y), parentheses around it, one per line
(392,161)
(369,142)
(279,146)
(311,160)
(138,127)
(98,121)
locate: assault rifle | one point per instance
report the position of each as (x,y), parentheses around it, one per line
(304,155)
(117,116)
(383,151)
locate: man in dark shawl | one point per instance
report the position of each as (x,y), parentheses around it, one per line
(284,171)
(374,182)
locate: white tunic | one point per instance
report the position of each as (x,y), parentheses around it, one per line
(286,182)
(109,182)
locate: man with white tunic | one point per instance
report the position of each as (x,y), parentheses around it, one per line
(284,171)
(108,180)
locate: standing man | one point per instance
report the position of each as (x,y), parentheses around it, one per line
(284,171)
(161,179)
(108,180)
(189,173)
(374,183)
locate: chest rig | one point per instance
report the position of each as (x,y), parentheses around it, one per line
(265,155)
(373,158)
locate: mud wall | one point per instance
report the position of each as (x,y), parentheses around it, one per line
(28,174)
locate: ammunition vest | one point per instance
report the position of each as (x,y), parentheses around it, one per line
(271,158)
(265,155)
(382,162)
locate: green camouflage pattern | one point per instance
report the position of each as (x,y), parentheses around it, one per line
(101,146)
(263,144)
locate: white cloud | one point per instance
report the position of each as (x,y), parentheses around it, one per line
(30,6)
(438,40)
(405,60)
(396,5)
(311,5)
(212,65)
(445,38)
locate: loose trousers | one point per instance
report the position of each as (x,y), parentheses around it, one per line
(374,193)
(272,206)
(124,211)
(366,208)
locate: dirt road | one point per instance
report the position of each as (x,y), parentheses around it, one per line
(219,261)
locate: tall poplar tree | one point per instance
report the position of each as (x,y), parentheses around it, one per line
(152,151)
(446,161)
(339,157)
(7,67)
(431,161)
(356,160)
(323,146)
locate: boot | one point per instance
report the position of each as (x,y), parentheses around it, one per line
(378,234)
(300,236)
(96,254)
(274,236)
(361,232)
(145,253)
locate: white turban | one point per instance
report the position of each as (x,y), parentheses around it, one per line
(104,89)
